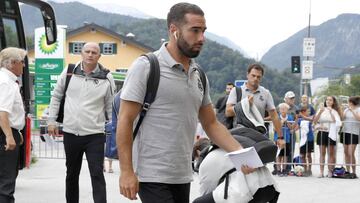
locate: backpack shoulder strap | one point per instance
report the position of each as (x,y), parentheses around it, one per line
(151,88)
(202,77)
(69,73)
(238,93)
(116,105)
(226,178)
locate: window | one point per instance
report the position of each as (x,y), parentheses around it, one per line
(75,47)
(108,48)
(122,70)
(11,33)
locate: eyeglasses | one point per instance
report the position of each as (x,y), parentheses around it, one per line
(19,61)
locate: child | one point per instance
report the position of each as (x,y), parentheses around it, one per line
(306,141)
(287,123)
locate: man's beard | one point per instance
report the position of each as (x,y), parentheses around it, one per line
(185,48)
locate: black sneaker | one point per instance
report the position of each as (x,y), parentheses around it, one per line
(274,172)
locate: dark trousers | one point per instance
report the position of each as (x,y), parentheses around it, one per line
(290,158)
(164,193)
(8,168)
(93,147)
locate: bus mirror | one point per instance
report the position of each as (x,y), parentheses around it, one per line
(50,25)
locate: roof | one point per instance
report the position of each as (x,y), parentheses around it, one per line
(91,26)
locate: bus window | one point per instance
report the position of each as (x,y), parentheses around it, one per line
(11,36)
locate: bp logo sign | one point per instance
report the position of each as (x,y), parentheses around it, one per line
(45,48)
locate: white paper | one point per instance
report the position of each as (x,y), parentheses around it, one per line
(48,140)
(247,156)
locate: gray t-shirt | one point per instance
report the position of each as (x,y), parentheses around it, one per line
(351,124)
(163,146)
(263,99)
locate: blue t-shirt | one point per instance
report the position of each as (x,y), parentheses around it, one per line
(285,129)
(310,134)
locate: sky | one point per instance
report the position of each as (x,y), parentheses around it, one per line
(254,25)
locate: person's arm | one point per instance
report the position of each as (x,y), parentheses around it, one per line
(230,103)
(218,133)
(276,122)
(5,127)
(229,112)
(110,94)
(128,182)
(355,113)
(54,105)
(317,116)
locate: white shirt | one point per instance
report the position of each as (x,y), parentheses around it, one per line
(10,99)
(351,124)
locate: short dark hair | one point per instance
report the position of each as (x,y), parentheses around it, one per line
(354,100)
(230,83)
(178,11)
(256,66)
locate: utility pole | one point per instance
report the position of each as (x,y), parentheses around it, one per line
(308,51)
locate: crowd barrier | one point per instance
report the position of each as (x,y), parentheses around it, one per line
(45,146)
(315,155)
(42,144)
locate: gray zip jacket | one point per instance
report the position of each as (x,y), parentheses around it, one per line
(88,101)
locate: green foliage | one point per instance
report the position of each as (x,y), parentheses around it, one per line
(11,37)
(29,41)
(338,87)
(221,64)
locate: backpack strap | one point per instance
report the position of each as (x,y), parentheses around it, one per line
(226,178)
(202,77)
(69,73)
(151,88)
(238,93)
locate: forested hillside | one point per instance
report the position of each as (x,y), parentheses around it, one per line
(222,64)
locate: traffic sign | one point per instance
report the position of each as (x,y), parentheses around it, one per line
(239,83)
(307,70)
(309,47)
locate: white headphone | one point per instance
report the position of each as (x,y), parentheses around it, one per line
(175,35)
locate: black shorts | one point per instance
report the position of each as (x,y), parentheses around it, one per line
(308,147)
(347,138)
(323,139)
(286,151)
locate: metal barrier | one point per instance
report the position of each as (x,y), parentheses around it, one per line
(43,145)
(340,159)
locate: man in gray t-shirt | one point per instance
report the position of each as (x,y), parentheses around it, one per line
(158,163)
(258,95)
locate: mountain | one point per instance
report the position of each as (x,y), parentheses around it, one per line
(73,14)
(224,41)
(122,10)
(110,13)
(221,63)
(336,46)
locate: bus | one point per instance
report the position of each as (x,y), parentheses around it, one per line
(12,35)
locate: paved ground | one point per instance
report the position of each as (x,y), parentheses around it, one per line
(44,182)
